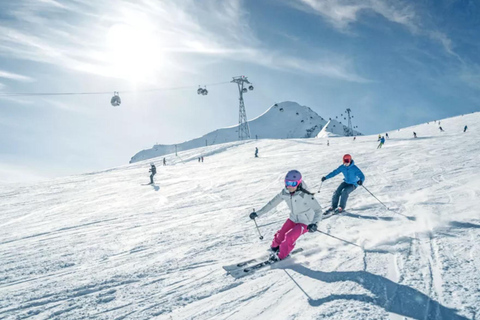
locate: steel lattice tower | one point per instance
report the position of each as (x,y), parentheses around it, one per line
(350,128)
(243,129)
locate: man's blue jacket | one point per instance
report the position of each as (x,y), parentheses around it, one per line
(351,173)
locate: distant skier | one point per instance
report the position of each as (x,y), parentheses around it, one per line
(305,212)
(386,135)
(153,171)
(202,158)
(256,152)
(328,143)
(465,129)
(382,141)
(441,129)
(164,162)
(199,159)
(353,177)
(414,134)
(354,138)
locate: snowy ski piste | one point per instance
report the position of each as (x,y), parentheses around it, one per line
(102,246)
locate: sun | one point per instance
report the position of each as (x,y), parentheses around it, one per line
(133,52)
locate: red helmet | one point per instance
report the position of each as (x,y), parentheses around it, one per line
(347,158)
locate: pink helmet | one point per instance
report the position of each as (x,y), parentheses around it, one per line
(293,178)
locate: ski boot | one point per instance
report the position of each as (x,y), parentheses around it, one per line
(274,257)
(329,212)
(273,250)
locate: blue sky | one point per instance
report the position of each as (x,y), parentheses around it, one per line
(394,63)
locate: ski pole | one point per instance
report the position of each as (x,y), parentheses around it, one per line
(376,197)
(328,234)
(256,225)
(320,189)
(258,229)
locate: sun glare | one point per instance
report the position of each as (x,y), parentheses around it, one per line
(133,52)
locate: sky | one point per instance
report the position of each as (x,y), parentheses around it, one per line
(394,63)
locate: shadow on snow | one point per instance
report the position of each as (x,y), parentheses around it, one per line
(467,225)
(391,296)
(359,216)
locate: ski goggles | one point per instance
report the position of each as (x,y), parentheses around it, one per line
(346,160)
(289,183)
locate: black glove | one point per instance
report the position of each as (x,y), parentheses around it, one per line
(312,227)
(360,182)
(323,179)
(253,215)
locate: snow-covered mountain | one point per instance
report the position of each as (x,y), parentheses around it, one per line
(285,120)
(104,246)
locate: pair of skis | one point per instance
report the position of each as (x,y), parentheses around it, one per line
(329,213)
(247,267)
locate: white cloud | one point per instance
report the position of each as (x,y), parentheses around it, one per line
(23,101)
(338,14)
(172,29)
(341,14)
(446,43)
(331,67)
(15,76)
(345,12)
(53,3)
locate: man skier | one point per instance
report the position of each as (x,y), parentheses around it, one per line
(382,141)
(305,212)
(353,177)
(153,171)
(465,128)
(256,152)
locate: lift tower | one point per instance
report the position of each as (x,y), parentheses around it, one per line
(243,129)
(350,128)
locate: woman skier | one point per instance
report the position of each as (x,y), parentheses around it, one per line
(305,212)
(353,177)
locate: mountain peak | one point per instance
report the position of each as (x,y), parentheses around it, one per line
(283,120)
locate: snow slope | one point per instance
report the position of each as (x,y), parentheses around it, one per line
(104,246)
(332,129)
(285,120)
